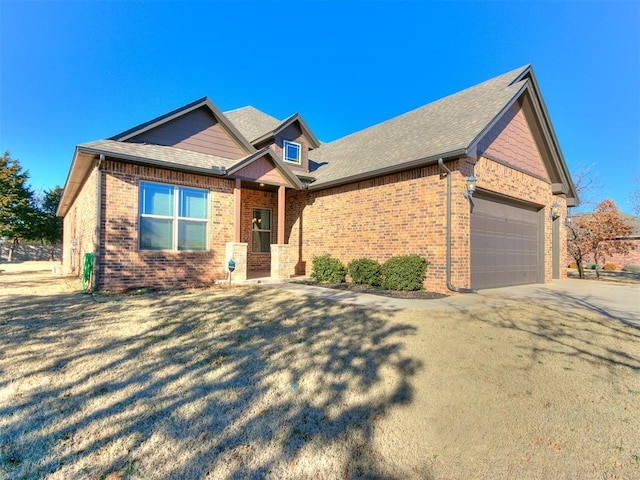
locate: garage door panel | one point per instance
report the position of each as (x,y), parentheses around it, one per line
(504,244)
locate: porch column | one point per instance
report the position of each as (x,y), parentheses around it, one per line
(281,214)
(237,194)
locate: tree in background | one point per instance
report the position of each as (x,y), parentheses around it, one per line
(49,226)
(635,198)
(17,212)
(593,234)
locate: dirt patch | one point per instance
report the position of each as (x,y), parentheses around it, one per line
(257,383)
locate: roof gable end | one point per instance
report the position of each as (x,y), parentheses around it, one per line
(164,122)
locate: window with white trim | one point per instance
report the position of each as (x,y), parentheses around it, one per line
(292,152)
(261,231)
(172,217)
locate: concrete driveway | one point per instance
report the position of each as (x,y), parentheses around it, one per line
(617,301)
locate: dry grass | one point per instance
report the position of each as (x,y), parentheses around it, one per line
(255,383)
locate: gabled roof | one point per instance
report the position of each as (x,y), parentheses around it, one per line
(251,122)
(279,165)
(313,141)
(163,119)
(448,128)
(258,126)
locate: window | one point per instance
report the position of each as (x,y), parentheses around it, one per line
(292,152)
(261,231)
(172,218)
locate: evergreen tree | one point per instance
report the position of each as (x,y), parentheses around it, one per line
(17,213)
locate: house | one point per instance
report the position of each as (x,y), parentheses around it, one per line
(171,201)
(620,260)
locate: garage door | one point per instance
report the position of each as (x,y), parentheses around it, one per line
(505,243)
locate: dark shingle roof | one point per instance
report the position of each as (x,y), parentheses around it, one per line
(446,126)
(251,122)
(170,156)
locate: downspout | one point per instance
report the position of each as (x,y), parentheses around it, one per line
(96,253)
(449,285)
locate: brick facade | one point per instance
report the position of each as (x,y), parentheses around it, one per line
(80,225)
(121,263)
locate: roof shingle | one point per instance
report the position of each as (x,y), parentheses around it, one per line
(445,126)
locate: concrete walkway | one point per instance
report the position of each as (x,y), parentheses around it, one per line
(618,301)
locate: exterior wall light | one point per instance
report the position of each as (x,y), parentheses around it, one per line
(555,210)
(470,187)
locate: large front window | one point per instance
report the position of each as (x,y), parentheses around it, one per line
(261,231)
(172,217)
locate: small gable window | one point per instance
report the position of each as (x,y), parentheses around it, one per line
(292,152)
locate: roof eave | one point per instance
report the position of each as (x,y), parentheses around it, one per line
(215,171)
(420,162)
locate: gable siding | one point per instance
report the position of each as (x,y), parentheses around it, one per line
(261,171)
(511,141)
(293,133)
(197,131)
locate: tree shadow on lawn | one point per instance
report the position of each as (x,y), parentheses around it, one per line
(240,383)
(587,332)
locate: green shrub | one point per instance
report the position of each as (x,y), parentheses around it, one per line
(405,272)
(365,271)
(593,266)
(632,268)
(327,269)
(610,266)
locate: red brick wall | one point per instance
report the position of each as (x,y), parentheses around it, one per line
(257,199)
(123,265)
(405,213)
(392,215)
(80,223)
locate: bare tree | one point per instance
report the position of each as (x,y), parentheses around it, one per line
(586,183)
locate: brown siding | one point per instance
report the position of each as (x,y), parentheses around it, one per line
(261,171)
(511,141)
(124,265)
(197,131)
(293,133)
(80,223)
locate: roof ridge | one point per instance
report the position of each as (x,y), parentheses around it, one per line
(520,71)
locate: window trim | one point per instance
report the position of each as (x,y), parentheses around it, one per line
(175,218)
(284,152)
(253,215)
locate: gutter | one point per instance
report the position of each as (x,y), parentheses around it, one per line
(450,286)
(96,252)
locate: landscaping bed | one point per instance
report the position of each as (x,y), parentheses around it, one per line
(352,287)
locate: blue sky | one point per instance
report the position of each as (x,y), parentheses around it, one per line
(73,72)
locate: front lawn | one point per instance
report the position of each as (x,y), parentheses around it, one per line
(252,382)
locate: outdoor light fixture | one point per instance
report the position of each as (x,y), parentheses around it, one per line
(555,210)
(469,187)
